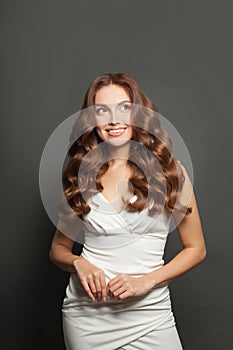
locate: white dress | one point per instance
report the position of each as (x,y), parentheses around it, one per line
(127,242)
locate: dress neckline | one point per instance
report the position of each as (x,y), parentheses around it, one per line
(109,203)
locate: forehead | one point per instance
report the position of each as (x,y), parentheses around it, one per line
(111,94)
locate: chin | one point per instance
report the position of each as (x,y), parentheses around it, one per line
(117,142)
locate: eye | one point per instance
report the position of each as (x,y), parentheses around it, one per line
(101,110)
(125,107)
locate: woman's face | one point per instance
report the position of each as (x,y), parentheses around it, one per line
(113,114)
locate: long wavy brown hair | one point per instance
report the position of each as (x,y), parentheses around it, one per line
(150,160)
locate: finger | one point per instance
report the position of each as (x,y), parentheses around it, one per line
(116,286)
(114,297)
(120,291)
(92,286)
(87,289)
(114,280)
(124,295)
(98,287)
(110,293)
(103,286)
(108,288)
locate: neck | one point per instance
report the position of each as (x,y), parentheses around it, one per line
(118,155)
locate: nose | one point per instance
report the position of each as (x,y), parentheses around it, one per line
(114,116)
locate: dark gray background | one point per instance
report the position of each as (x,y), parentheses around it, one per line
(180,53)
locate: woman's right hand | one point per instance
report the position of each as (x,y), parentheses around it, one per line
(92,278)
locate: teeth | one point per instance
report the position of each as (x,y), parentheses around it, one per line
(116,131)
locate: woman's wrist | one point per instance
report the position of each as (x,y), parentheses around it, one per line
(75,262)
(149,281)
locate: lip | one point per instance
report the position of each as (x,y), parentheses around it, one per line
(116,134)
(115,128)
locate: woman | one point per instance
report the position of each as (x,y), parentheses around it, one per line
(118,295)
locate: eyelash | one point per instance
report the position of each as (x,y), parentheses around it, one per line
(99,109)
(128,106)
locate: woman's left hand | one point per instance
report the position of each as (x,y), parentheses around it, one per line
(124,286)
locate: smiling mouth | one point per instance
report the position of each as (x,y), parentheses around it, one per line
(116,131)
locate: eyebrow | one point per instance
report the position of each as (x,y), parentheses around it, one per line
(105,105)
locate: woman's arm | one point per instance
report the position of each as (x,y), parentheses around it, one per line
(92,278)
(193,252)
(61,252)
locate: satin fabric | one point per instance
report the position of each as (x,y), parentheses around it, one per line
(130,243)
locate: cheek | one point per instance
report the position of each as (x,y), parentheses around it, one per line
(99,130)
(100,122)
(130,130)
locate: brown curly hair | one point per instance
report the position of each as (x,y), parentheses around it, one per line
(151,151)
